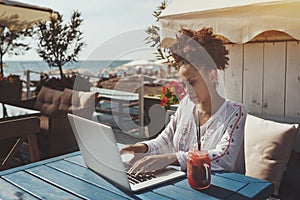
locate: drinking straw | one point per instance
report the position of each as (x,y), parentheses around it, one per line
(198,132)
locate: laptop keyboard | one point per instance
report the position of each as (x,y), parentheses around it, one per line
(135,179)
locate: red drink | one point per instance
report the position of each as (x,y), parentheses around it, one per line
(198,169)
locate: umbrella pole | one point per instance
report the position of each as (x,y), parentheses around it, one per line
(1,56)
(27,84)
(141,105)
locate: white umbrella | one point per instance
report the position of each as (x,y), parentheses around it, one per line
(238,21)
(18,16)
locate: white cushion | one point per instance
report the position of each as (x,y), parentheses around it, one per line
(268,146)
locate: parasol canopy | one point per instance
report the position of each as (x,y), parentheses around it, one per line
(17,16)
(238,21)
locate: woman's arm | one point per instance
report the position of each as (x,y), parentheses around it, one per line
(224,156)
(164,141)
(155,146)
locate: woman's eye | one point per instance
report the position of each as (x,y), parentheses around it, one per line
(191,83)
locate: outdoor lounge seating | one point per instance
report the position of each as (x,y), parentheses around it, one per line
(56,136)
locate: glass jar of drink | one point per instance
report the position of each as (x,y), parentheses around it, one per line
(198,169)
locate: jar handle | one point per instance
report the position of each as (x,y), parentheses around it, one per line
(207,171)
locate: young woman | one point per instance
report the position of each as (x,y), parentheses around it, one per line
(198,55)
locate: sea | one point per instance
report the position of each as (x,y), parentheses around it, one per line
(92,67)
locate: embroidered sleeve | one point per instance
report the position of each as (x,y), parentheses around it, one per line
(226,152)
(163,143)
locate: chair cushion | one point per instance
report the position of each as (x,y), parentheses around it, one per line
(66,99)
(47,100)
(74,101)
(268,146)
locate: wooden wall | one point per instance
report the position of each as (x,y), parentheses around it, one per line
(265,77)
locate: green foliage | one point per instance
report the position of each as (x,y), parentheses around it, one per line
(153,38)
(60,42)
(11,42)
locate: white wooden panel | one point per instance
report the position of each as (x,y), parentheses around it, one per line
(234,73)
(253,76)
(274,78)
(293,80)
(221,87)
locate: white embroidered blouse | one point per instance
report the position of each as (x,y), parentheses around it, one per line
(222,135)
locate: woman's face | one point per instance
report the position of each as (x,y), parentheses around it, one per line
(195,82)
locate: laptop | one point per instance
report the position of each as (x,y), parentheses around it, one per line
(101,154)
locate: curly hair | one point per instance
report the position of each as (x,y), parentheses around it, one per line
(199,48)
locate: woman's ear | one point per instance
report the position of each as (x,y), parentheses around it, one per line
(213,76)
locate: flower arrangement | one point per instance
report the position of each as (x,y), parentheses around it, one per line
(10,88)
(171,94)
(8,80)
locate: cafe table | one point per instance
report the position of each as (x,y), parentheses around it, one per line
(121,98)
(67,177)
(8,112)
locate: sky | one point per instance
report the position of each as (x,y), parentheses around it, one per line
(112,29)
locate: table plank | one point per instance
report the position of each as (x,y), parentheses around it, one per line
(72,184)
(220,187)
(39,163)
(179,193)
(77,160)
(151,196)
(87,175)
(253,191)
(37,187)
(231,185)
(9,191)
(240,177)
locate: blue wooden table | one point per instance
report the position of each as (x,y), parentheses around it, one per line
(66,177)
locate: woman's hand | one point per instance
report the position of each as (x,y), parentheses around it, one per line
(153,163)
(132,153)
(135,148)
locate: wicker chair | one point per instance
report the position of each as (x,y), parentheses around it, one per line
(56,136)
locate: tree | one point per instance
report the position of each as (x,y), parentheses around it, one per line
(60,42)
(10,41)
(153,37)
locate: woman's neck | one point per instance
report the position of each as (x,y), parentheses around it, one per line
(209,107)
